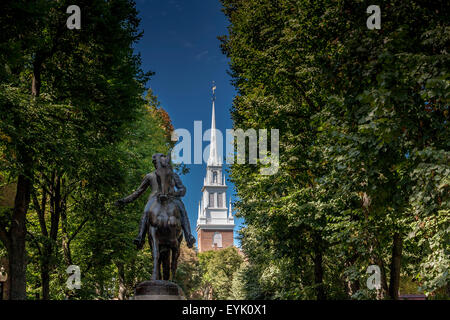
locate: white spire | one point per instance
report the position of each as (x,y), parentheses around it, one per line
(213,159)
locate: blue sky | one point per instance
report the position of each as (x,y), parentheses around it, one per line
(180,45)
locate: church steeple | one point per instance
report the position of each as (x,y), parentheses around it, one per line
(215,223)
(213,159)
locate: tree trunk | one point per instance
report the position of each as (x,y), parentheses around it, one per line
(318,268)
(36,81)
(395,266)
(383,292)
(122,284)
(66,250)
(65,239)
(45,275)
(351,286)
(18,230)
(48,248)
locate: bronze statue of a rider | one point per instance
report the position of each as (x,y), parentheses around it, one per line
(151,180)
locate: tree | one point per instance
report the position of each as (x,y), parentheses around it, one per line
(217,269)
(64,93)
(362,117)
(93,234)
(188,272)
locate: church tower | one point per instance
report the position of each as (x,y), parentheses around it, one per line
(215,223)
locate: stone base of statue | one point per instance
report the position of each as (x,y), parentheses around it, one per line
(158,290)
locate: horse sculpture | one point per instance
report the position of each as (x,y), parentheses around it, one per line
(164,226)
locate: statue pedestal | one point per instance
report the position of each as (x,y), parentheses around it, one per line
(158,290)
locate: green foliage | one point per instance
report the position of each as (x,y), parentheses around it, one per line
(363,119)
(218,269)
(188,275)
(101,233)
(74,122)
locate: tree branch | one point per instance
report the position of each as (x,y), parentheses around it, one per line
(41,211)
(78,229)
(35,240)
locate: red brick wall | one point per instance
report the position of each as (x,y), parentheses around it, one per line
(205,239)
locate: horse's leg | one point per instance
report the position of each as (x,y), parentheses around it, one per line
(165,259)
(174,263)
(151,244)
(162,257)
(156,275)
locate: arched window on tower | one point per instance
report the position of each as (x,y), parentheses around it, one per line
(214,177)
(211,200)
(217,240)
(220,199)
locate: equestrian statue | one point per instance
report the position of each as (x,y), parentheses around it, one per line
(164,219)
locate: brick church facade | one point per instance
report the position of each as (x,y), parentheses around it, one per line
(215,223)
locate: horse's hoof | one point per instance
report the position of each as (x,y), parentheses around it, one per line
(139,243)
(191,241)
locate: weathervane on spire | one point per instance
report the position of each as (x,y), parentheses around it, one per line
(213,91)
